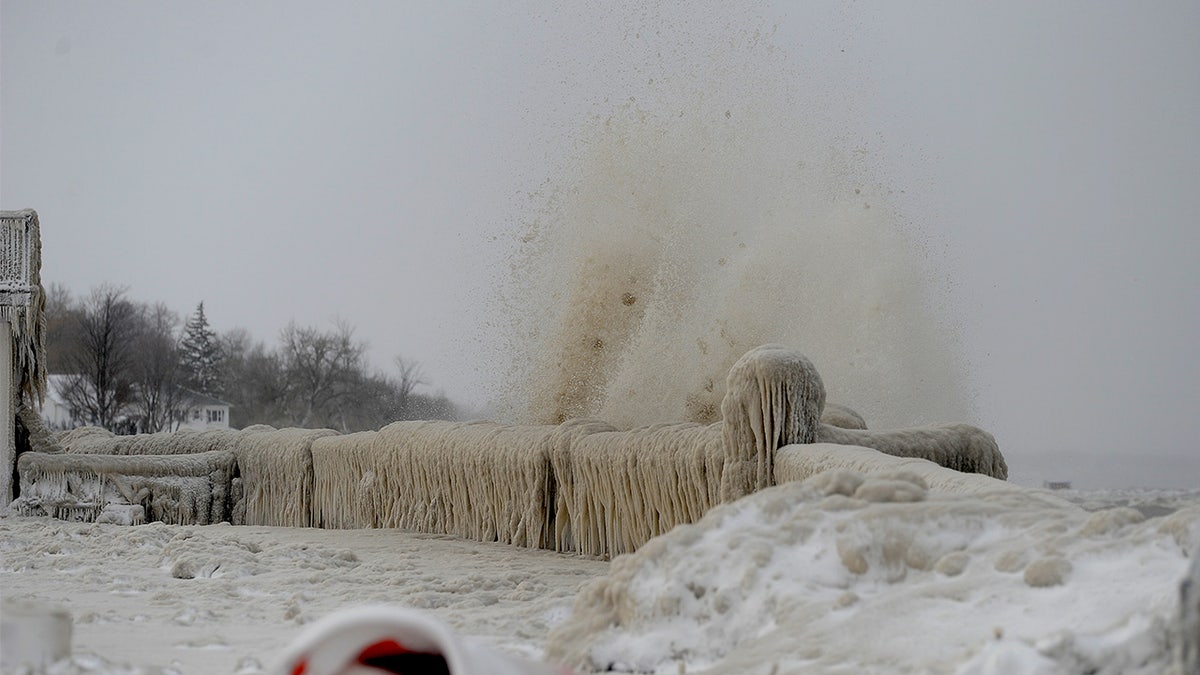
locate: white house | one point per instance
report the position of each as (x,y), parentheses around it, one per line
(56,414)
(200,411)
(204,412)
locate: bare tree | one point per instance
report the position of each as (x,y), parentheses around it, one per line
(321,369)
(410,377)
(100,367)
(62,327)
(252,381)
(124,358)
(158,374)
(370,404)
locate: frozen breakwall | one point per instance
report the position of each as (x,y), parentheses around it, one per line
(177,489)
(581,486)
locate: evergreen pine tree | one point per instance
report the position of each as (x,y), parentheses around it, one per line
(201,354)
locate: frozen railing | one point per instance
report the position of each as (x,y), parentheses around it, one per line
(18,231)
(22,331)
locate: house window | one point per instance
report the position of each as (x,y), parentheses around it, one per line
(196,414)
(216,415)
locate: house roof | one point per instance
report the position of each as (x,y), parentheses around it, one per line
(195,398)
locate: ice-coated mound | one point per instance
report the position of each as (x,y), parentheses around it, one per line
(876,572)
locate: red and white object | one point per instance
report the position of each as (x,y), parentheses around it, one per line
(386,639)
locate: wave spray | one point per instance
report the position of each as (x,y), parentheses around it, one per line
(707,215)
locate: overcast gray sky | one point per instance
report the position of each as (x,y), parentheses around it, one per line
(300,161)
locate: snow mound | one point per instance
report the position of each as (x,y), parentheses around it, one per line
(876,570)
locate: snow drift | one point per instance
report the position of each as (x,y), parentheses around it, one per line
(811,577)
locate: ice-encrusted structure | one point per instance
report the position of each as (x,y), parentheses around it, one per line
(581,486)
(1188,645)
(37,437)
(478,480)
(842,416)
(961,447)
(21,272)
(773,397)
(276,473)
(22,334)
(338,460)
(97,441)
(177,489)
(620,489)
(801,462)
(272,484)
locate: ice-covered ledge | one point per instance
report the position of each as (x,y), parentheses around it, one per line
(802,461)
(775,398)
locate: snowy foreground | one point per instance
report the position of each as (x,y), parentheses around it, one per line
(831,575)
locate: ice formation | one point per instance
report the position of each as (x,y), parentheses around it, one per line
(813,576)
(28,322)
(581,486)
(39,438)
(178,489)
(842,416)
(23,324)
(961,447)
(773,397)
(97,441)
(276,470)
(344,474)
(478,480)
(619,489)
(800,462)
(272,481)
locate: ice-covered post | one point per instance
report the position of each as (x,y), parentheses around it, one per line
(8,445)
(22,331)
(1187,650)
(773,397)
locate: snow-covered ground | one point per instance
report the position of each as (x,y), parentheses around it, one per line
(224,599)
(798,578)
